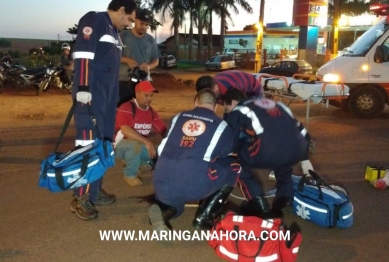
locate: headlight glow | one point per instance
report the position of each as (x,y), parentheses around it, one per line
(331,78)
(49,71)
(365,67)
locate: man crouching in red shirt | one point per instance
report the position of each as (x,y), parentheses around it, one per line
(134,121)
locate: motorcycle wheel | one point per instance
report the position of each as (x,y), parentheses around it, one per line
(43,86)
(68,88)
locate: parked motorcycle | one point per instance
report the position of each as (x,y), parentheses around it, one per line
(135,76)
(1,79)
(54,78)
(18,75)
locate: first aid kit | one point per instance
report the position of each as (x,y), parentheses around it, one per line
(323,204)
(251,238)
(78,167)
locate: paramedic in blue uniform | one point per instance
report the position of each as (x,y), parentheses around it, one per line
(251,87)
(266,136)
(194,163)
(96,57)
(248,84)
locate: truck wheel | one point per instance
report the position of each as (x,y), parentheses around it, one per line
(366,102)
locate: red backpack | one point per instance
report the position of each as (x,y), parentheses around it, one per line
(250,238)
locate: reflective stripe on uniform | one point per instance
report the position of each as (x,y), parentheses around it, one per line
(85,55)
(287,109)
(163,142)
(84,142)
(216,136)
(254,119)
(110,39)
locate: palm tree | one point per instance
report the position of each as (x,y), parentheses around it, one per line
(200,4)
(174,9)
(211,6)
(224,14)
(192,9)
(73,31)
(220,7)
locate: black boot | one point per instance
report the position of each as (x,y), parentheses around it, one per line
(210,208)
(160,214)
(254,207)
(259,207)
(283,203)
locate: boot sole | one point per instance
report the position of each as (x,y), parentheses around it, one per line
(104,203)
(73,210)
(156,218)
(201,227)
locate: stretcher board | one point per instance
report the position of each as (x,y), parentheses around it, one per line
(307,88)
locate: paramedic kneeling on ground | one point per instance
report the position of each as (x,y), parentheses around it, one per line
(194,163)
(250,86)
(266,136)
(134,121)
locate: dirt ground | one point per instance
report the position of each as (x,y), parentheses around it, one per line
(22,104)
(36,225)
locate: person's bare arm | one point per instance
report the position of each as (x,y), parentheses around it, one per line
(153,64)
(130,133)
(130,62)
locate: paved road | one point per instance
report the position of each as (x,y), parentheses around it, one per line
(37,225)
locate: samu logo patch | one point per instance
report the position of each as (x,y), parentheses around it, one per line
(87,31)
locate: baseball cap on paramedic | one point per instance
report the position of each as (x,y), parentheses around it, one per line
(145,86)
(143,15)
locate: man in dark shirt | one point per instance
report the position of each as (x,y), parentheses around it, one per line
(66,64)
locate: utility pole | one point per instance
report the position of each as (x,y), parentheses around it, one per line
(258,53)
(335,29)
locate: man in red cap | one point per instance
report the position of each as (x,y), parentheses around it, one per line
(134,121)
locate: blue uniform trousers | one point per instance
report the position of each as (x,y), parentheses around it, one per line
(86,130)
(282,166)
(251,187)
(178,184)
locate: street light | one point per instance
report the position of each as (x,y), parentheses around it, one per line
(258,53)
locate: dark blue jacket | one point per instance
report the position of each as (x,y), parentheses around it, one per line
(195,139)
(96,56)
(265,132)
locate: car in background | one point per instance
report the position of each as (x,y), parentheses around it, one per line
(288,67)
(245,60)
(169,61)
(220,62)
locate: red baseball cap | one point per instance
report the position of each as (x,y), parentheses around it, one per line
(145,86)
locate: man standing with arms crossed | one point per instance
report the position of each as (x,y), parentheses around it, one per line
(96,58)
(140,50)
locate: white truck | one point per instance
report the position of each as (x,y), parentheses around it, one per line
(364,68)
